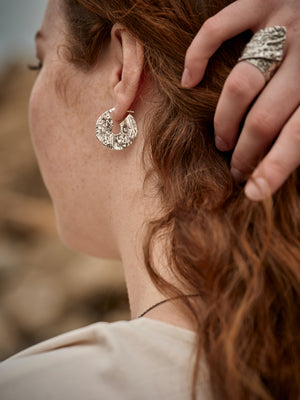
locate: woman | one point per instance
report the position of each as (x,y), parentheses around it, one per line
(216,275)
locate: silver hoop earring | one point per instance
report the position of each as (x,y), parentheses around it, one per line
(104,133)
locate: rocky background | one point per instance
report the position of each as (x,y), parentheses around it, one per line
(45,289)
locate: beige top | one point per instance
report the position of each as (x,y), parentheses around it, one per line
(142,359)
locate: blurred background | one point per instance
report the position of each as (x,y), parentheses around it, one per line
(45,289)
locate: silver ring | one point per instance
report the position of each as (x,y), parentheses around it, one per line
(265,50)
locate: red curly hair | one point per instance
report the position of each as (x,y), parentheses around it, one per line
(243,257)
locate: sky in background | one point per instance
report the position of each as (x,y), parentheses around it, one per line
(19,20)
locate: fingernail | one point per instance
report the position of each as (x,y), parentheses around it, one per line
(186,78)
(237,174)
(257,189)
(220,144)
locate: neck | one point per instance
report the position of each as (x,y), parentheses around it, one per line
(142,292)
(133,208)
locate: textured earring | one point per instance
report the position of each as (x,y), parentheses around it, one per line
(118,141)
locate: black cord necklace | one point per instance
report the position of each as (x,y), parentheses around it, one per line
(164,301)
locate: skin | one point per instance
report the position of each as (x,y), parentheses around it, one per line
(100,203)
(272,125)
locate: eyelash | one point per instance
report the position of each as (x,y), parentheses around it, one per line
(37,67)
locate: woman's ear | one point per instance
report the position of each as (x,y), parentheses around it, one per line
(131,58)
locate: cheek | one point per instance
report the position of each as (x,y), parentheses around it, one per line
(64,108)
(42,115)
(76,168)
(56,146)
(52,141)
(37,123)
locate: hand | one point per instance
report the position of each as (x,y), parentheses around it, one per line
(275,115)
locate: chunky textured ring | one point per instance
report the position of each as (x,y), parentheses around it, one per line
(265,50)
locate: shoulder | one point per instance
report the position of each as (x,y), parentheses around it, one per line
(110,359)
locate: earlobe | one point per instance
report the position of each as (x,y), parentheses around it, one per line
(127,89)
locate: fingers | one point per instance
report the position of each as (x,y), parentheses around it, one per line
(276,109)
(229,22)
(240,89)
(279,163)
(269,114)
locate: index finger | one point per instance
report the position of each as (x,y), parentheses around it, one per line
(227,23)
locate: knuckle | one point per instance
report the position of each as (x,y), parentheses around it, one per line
(262,124)
(238,86)
(211,27)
